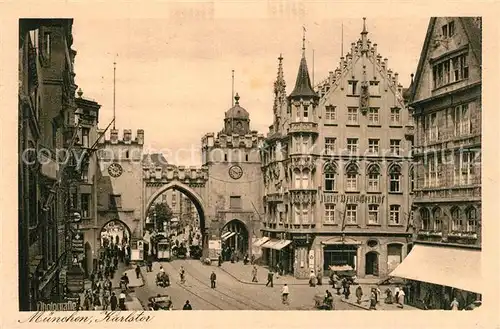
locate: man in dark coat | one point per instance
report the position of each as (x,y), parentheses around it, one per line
(113,301)
(270,276)
(187,306)
(213,277)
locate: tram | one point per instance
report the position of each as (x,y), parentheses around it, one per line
(164,250)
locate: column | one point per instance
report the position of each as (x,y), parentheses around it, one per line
(360,268)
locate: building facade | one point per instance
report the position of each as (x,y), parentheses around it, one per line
(337,169)
(233,190)
(46,100)
(446,101)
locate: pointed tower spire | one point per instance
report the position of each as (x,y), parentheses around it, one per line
(364,38)
(279,88)
(303,85)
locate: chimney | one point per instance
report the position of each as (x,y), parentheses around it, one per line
(114,136)
(127,135)
(140,136)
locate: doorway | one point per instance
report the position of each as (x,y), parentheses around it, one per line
(371,263)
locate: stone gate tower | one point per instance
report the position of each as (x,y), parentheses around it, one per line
(234,188)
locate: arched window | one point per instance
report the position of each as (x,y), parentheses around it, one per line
(425,218)
(436,216)
(352,177)
(297,178)
(373,174)
(471,219)
(395,178)
(305,178)
(330,173)
(456,219)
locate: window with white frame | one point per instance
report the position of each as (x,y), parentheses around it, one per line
(395,214)
(438,223)
(373,178)
(352,87)
(305,214)
(298,178)
(471,220)
(297,214)
(432,127)
(352,145)
(329,145)
(330,113)
(464,168)
(461,120)
(432,176)
(373,116)
(373,213)
(374,89)
(425,219)
(395,179)
(373,146)
(352,177)
(352,115)
(329,213)
(395,145)
(456,220)
(330,172)
(395,116)
(351,214)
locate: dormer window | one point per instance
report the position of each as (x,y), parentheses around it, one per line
(352,87)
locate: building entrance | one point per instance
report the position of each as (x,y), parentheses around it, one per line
(234,238)
(371,264)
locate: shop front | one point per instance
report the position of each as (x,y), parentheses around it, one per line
(436,275)
(277,253)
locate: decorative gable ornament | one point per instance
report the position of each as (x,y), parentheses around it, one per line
(364,98)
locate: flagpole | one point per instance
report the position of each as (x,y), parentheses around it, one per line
(114,93)
(232,88)
(342,41)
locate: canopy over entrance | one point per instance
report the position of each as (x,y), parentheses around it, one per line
(446,266)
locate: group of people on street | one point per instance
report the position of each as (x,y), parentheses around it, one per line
(101,295)
(316,278)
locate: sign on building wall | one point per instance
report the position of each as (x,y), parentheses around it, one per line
(311,259)
(77,242)
(353,199)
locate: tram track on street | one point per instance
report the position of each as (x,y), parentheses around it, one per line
(191,291)
(231,293)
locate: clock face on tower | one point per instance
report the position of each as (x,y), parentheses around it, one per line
(115,170)
(235,172)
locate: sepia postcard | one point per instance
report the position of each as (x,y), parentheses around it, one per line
(249,156)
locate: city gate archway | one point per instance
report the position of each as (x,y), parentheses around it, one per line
(235,236)
(190,182)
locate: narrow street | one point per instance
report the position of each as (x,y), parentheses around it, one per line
(229,293)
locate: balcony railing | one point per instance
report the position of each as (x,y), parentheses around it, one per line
(449,193)
(303,127)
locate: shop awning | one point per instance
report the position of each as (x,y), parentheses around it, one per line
(224,235)
(228,236)
(269,244)
(261,241)
(340,241)
(280,244)
(447,266)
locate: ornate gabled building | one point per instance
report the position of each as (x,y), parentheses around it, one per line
(337,169)
(446,102)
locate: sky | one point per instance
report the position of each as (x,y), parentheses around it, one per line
(173,77)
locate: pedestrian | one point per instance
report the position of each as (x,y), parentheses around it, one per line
(347,288)
(121,301)
(373,299)
(312,279)
(396,294)
(329,300)
(254,274)
(359,294)
(401,298)
(124,281)
(270,278)
(320,276)
(181,274)
(219,260)
(105,299)
(187,306)
(213,277)
(137,271)
(454,304)
(378,292)
(252,259)
(284,294)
